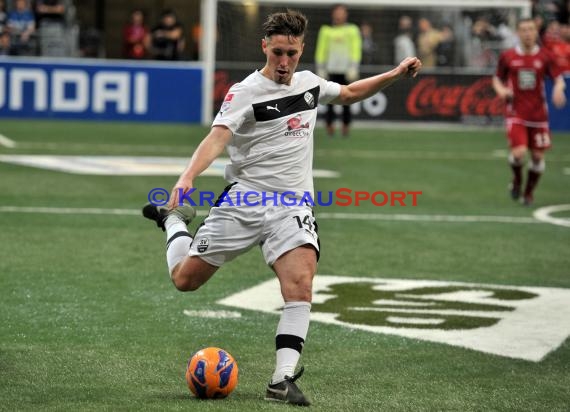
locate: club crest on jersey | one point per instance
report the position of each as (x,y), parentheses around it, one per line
(296,128)
(203,245)
(310,99)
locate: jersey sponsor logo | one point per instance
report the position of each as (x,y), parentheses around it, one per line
(296,127)
(526,79)
(512,321)
(286,106)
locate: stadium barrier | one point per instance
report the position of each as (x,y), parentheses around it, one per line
(173,92)
(100,90)
(434,96)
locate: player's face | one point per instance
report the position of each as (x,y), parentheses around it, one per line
(283,54)
(528,34)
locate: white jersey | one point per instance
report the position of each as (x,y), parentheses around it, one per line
(272,125)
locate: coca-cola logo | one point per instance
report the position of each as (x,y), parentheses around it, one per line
(476,99)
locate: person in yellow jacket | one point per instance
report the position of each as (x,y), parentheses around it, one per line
(337,57)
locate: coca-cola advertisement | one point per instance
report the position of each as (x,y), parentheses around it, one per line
(465,98)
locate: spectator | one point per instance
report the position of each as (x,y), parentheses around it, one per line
(480,53)
(51,18)
(3,17)
(22,26)
(167,38)
(404,43)
(5,48)
(90,43)
(196,40)
(446,48)
(338,55)
(428,40)
(369,47)
(134,35)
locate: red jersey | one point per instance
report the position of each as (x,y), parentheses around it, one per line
(525,74)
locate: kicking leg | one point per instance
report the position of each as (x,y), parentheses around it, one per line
(187,272)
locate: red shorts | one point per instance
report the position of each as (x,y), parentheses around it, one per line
(531,137)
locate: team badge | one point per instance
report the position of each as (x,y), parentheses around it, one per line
(309,99)
(203,245)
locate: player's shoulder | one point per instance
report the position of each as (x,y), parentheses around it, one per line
(306,78)
(247,85)
(545,53)
(305,74)
(353,27)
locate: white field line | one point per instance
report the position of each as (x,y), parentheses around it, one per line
(332,216)
(426,218)
(6,142)
(494,155)
(108,146)
(216,314)
(544,215)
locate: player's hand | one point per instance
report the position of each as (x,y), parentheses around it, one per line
(410,67)
(558,98)
(506,94)
(180,188)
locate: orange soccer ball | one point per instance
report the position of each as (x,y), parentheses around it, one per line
(212,373)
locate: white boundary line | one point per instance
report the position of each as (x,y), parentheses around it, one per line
(324,215)
(426,218)
(543,214)
(6,142)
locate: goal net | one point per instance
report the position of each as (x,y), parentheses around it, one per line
(475,33)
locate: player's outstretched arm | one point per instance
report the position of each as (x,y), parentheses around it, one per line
(364,88)
(209,149)
(558,96)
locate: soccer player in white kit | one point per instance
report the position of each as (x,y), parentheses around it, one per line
(266,123)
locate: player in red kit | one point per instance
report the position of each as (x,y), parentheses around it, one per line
(519,80)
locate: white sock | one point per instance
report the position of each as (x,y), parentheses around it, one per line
(178,241)
(290,338)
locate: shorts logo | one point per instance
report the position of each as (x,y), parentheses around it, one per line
(310,99)
(296,128)
(512,321)
(203,245)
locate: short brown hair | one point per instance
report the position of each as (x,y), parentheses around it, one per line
(525,20)
(289,23)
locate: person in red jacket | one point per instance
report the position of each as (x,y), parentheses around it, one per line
(134,35)
(519,80)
